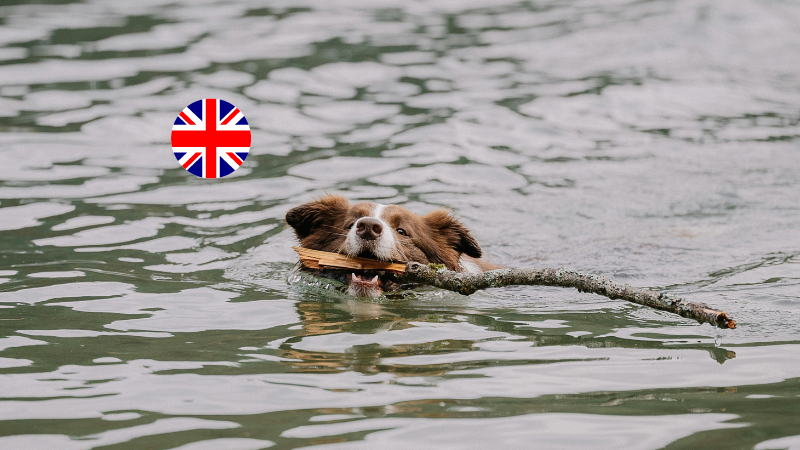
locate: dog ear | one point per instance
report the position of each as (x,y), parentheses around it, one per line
(456,235)
(310,216)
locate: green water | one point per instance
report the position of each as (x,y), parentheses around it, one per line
(655,142)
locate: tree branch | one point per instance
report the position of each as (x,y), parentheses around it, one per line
(468,283)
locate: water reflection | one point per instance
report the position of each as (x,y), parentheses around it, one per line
(370,330)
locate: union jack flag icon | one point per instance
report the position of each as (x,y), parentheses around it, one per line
(211,138)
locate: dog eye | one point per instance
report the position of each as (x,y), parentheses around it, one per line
(402,232)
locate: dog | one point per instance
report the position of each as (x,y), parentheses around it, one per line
(386,233)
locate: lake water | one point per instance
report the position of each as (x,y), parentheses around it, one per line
(655,142)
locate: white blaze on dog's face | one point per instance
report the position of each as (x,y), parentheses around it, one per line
(370,234)
(384,232)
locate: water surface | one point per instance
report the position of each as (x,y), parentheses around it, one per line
(655,142)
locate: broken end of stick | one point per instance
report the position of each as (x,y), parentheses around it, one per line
(719,318)
(726,321)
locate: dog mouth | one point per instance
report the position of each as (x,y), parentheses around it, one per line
(365,285)
(368,283)
(367,253)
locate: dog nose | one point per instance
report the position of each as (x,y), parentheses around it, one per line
(368,228)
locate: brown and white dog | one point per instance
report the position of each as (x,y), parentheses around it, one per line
(384,232)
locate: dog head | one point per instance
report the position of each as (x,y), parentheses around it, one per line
(384,232)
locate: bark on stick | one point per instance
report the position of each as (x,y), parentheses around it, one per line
(468,283)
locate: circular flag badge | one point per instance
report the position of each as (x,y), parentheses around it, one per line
(211,138)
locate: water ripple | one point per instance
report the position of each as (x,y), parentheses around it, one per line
(654,142)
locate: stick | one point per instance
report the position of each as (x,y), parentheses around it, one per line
(315,259)
(468,283)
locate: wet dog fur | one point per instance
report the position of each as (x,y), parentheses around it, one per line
(384,232)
